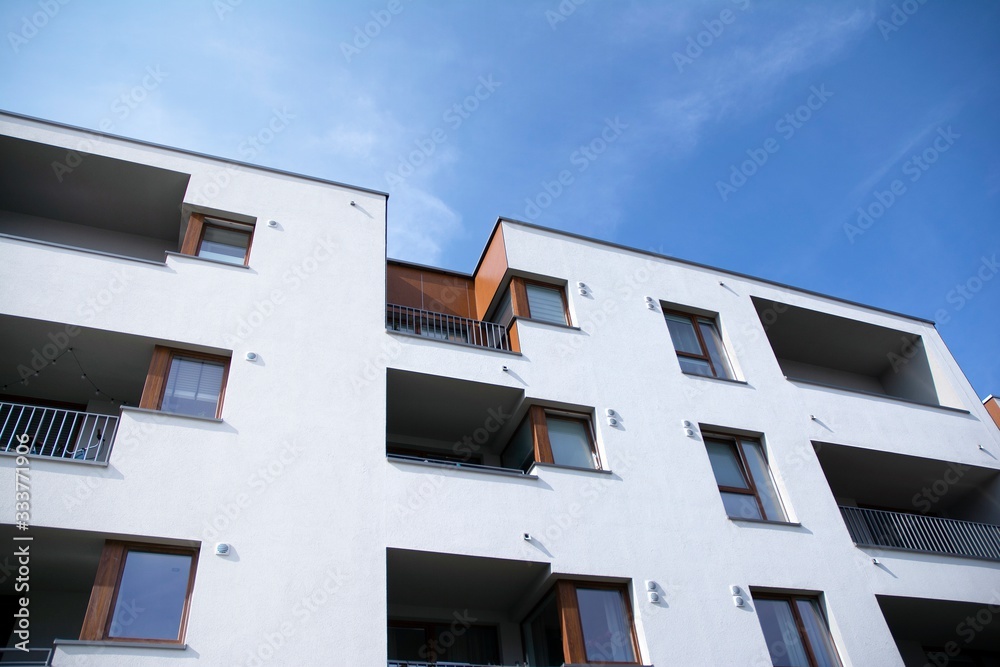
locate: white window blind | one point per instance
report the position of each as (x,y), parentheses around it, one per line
(193,387)
(546,303)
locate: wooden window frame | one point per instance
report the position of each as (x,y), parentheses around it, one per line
(194,235)
(519,299)
(104,594)
(790,599)
(571,627)
(159,371)
(537,419)
(704,356)
(751,490)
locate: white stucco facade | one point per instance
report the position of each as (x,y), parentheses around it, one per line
(295,476)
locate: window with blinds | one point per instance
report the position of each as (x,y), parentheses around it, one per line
(546,304)
(193,387)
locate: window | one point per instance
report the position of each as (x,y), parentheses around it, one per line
(698,345)
(142,592)
(596,620)
(452,642)
(546,303)
(221,240)
(796,631)
(744,478)
(186,383)
(552,436)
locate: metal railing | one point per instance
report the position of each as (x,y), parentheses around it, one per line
(56,433)
(15,657)
(446,327)
(926,534)
(452,462)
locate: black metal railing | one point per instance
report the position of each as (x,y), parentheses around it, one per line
(926,534)
(446,327)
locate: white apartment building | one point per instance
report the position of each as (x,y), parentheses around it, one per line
(241,436)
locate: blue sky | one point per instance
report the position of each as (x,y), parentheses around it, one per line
(739,133)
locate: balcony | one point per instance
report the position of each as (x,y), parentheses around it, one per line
(943,633)
(72,199)
(925,506)
(923,534)
(56,433)
(450,328)
(62,388)
(825,350)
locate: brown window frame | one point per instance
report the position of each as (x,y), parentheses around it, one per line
(104,594)
(537,419)
(751,489)
(704,356)
(159,370)
(571,627)
(790,598)
(194,235)
(520,306)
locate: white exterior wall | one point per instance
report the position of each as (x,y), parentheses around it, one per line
(311,410)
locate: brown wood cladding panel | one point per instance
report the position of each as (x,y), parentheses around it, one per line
(993,408)
(99,607)
(490,273)
(424,289)
(192,236)
(152,391)
(519,297)
(515,341)
(574,651)
(540,434)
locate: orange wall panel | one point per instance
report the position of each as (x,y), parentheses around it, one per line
(491,271)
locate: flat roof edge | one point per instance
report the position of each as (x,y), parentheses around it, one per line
(699,265)
(141,142)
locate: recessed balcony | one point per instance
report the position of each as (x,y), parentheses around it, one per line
(925,506)
(78,200)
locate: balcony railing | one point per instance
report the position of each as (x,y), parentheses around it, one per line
(410,663)
(446,327)
(56,433)
(925,534)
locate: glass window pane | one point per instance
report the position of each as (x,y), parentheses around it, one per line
(725,464)
(543,636)
(817,633)
(519,453)
(546,303)
(570,442)
(607,633)
(695,366)
(150,602)
(193,387)
(715,349)
(683,334)
(781,634)
(505,312)
(225,245)
(476,644)
(762,479)
(407,643)
(741,505)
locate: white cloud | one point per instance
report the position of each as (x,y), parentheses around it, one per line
(419,225)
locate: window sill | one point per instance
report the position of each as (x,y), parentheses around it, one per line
(468,467)
(521,318)
(862,392)
(792,524)
(709,377)
(555,466)
(89,251)
(147,411)
(135,643)
(171,253)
